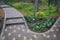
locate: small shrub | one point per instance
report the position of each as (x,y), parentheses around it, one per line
(40,15)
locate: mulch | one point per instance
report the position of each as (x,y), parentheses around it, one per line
(1,13)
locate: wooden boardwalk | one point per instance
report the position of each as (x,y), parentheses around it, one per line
(17,29)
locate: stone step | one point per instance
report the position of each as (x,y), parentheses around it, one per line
(15,21)
(14,18)
(19,25)
(5,6)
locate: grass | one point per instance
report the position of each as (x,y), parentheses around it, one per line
(28,8)
(25,8)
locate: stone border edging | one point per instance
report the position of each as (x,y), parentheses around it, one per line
(43,32)
(3,26)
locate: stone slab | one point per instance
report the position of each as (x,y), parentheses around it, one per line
(14,21)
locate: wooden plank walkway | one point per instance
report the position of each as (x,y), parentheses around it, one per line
(16,28)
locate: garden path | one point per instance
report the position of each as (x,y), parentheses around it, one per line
(17,29)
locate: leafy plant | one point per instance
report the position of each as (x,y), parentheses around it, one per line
(38,26)
(40,15)
(29,18)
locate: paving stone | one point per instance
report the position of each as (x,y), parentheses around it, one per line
(11,12)
(14,21)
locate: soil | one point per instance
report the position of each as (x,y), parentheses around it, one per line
(1,13)
(1,19)
(56,15)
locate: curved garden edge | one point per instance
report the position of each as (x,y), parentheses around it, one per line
(54,25)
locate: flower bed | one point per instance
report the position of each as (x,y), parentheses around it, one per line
(40,25)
